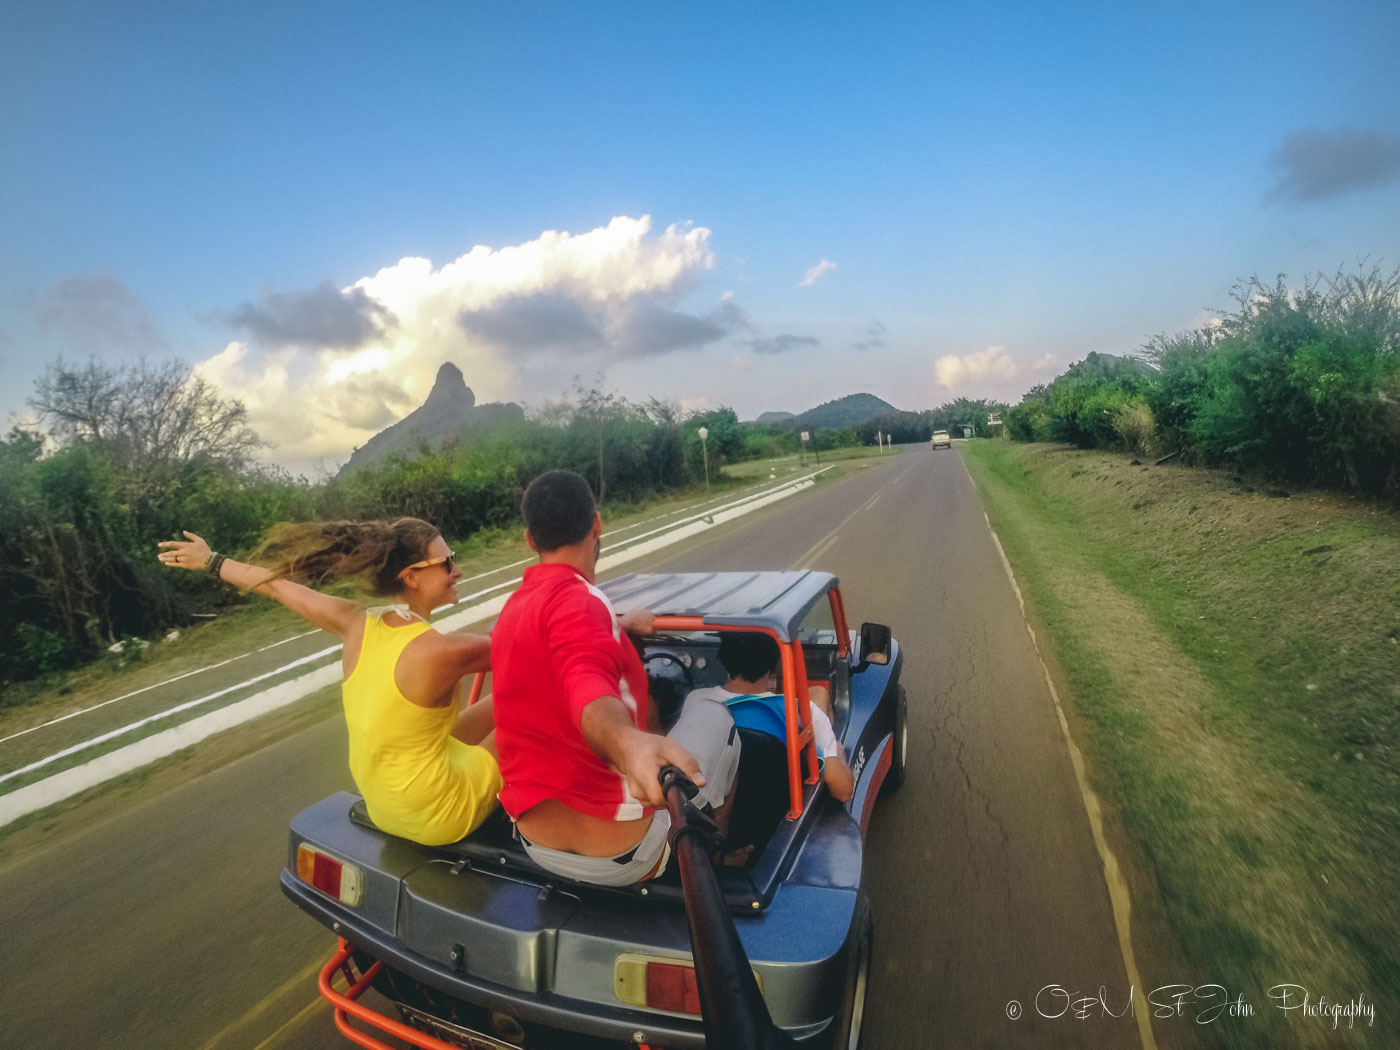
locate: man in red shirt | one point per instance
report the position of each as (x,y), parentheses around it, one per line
(579,766)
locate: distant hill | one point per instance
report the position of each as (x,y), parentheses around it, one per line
(450,413)
(775,417)
(846,411)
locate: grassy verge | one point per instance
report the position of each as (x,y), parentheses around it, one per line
(1233,658)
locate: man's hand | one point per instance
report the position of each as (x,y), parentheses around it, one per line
(639,756)
(644,755)
(636,621)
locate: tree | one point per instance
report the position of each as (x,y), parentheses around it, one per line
(147,418)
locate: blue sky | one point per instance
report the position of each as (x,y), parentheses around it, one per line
(1000,190)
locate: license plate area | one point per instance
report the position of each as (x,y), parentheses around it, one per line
(451,1033)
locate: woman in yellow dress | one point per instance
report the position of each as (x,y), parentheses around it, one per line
(425,765)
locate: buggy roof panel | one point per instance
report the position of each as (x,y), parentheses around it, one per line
(777,601)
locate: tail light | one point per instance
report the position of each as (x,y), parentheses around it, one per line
(658,984)
(331,875)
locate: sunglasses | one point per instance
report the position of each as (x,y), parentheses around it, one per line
(446,561)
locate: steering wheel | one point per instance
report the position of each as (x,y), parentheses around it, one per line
(669,682)
(670,667)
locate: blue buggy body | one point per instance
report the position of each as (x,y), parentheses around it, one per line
(473,945)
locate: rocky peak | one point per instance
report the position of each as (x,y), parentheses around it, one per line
(450,414)
(450,389)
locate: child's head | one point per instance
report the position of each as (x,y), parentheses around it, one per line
(748,655)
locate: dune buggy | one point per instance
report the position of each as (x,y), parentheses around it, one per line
(473,945)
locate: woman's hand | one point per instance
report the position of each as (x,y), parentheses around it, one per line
(193,554)
(336,615)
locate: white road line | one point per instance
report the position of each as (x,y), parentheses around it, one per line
(148,688)
(826,541)
(187,705)
(64,785)
(70,782)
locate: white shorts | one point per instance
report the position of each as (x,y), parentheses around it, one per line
(632,865)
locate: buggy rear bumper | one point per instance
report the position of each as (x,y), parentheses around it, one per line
(545,1009)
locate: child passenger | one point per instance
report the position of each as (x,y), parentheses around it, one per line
(751,660)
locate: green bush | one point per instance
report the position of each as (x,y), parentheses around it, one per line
(1134,427)
(1030,420)
(41,651)
(1300,384)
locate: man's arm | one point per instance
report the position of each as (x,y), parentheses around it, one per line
(608,728)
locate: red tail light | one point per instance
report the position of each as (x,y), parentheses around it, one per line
(332,876)
(672,987)
(658,984)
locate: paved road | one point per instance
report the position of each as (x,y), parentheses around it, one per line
(163,927)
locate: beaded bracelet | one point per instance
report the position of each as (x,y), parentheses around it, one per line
(215,564)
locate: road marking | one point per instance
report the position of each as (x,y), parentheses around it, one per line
(32,797)
(1117,887)
(303,1015)
(148,688)
(710,520)
(290,984)
(826,541)
(130,727)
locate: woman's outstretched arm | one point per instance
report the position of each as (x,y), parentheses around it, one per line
(336,615)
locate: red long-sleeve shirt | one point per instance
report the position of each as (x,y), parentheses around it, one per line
(556,648)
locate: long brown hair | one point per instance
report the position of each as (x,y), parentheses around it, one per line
(371,552)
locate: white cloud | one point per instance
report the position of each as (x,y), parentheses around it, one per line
(816,273)
(989,372)
(514,319)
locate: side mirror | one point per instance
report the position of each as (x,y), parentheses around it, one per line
(875,644)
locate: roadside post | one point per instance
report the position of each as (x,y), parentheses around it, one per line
(705,454)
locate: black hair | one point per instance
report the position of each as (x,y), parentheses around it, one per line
(748,655)
(558,509)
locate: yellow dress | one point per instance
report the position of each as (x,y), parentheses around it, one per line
(418,780)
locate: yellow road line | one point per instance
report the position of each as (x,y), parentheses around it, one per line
(288,985)
(301,1016)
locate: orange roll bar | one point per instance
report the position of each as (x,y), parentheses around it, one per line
(804,702)
(475,694)
(843,629)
